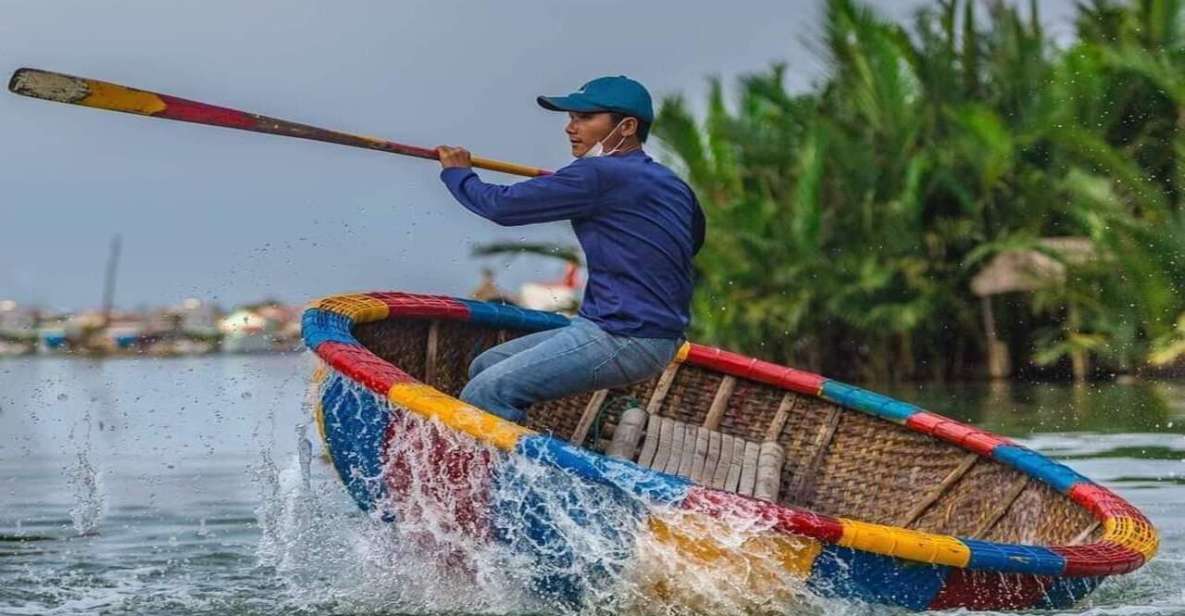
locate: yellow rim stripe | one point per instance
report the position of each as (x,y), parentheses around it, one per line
(485,427)
(1133,534)
(681,356)
(695,538)
(903,543)
(358,308)
(320,373)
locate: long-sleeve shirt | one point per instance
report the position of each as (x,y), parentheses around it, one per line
(638,223)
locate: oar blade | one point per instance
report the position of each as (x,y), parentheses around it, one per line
(61,88)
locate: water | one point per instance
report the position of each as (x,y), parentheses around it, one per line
(185,486)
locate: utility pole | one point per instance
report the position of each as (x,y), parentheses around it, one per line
(109,280)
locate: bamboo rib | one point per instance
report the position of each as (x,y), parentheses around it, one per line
(999,512)
(661,388)
(779,420)
(948,482)
(720,402)
(802,482)
(430,355)
(590,413)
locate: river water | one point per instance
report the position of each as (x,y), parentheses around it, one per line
(175,487)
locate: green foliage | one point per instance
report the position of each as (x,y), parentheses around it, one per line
(845,223)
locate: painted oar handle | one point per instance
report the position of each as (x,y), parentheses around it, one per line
(102,95)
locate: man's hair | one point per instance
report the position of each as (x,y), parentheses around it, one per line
(643,127)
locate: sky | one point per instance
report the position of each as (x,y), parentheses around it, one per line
(234,217)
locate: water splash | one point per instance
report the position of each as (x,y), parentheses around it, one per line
(85,487)
(460,527)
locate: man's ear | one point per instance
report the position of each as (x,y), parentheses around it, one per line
(629,127)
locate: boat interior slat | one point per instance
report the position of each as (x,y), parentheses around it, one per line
(779,421)
(720,475)
(430,354)
(1040,515)
(968,461)
(806,420)
(967,504)
(660,390)
(800,486)
(702,437)
(1001,508)
(590,413)
(720,402)
(650,445)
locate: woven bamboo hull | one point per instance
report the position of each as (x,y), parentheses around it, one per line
(877,499)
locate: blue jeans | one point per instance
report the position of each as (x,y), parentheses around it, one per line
(555,363)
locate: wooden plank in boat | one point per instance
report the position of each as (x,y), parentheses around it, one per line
(720,402)
(701,454)
(804,481)
(779,421)
(1002,508)
(677,431)
(720,475)
(771,457)
(713,459)
(650,445)
(590,413)
(733,480)
(665,436)
(690,442)
(951,479)
(430,355)
(661,388)
(748,469)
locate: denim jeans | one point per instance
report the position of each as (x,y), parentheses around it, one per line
(555,363)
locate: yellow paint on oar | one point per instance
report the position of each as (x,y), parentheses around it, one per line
(504,167)
(118,98)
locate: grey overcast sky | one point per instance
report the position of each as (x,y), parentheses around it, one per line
(235,216)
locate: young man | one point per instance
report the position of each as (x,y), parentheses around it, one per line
(639,226)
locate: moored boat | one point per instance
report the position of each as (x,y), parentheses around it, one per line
(769,479)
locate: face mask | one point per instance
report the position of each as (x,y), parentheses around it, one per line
(598,148)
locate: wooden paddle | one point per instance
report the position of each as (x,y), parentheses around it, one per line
(102,95)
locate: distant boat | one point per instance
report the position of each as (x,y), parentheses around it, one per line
(754,474)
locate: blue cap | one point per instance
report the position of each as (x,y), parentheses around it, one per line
(620,94)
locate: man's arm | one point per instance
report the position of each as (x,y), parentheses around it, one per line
(568,193)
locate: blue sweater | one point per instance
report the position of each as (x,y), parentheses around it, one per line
(638,223)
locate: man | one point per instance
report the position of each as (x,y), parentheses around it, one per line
(639,226)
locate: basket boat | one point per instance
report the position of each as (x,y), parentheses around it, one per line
(852,493)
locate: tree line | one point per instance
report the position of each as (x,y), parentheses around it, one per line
(848,222)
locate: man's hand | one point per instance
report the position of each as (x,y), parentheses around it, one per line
(453,157)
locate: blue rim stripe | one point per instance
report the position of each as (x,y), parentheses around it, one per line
(868,401)
(1057,475)
(512,317)
(1014,558)
(317,326)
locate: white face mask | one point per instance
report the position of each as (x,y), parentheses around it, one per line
(598,148)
